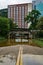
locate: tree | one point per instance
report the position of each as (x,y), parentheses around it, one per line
(40,24)
(12,24)
(5,26)
(33,18)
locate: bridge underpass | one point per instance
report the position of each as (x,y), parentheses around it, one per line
(20,35)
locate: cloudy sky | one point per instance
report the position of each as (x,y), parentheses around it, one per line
(5,3)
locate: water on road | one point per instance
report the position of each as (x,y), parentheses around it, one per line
(32,59)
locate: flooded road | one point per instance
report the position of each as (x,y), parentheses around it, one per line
(7,60)
(11,53)
(32,59)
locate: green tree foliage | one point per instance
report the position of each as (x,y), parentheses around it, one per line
(40,24)
(33,18)
(5,26)
(12,24)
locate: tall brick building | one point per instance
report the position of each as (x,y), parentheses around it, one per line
(18,13)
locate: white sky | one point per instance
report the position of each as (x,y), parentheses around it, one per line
(5,3)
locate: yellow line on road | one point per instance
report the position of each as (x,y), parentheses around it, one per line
(19,58)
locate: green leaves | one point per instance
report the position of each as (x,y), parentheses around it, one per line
(5,26)
(4,22)
(40,24)
(33,18)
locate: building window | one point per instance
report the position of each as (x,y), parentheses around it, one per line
(34,6)
(9,13)
(22,17)
(16,15)
(20,12)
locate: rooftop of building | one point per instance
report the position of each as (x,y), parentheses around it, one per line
(20,4)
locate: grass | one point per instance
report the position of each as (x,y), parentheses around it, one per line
(2,39)
(37,42)
(33,42)
(3,42)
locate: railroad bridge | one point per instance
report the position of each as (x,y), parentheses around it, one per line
(20,33)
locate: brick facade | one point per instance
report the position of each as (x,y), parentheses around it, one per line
(18,13)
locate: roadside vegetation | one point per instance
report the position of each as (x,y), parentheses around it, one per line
(37,42)
(6,25)
(36,27)
(3,41)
